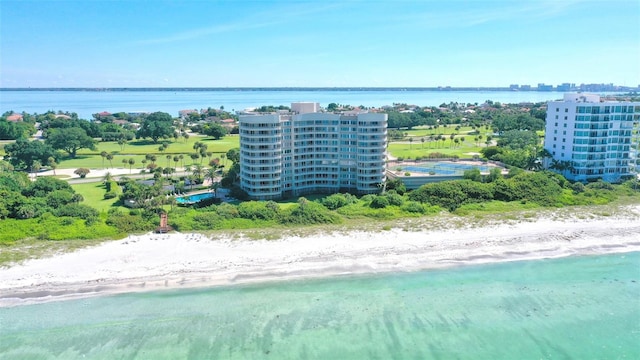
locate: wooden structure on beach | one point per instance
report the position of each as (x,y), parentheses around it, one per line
(164,224)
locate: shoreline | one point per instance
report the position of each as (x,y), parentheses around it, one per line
(155,262)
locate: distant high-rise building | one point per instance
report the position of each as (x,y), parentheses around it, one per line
(544,87)
(589,139)
(308,151)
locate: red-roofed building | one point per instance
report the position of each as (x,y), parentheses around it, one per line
(14,117)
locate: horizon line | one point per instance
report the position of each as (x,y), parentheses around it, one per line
(326,88)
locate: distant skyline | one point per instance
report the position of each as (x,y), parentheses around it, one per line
(119,43)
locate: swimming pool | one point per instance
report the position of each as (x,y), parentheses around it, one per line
(192,199)
(444,168)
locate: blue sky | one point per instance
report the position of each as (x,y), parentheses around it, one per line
(184,43)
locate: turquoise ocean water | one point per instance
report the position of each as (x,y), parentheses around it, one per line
(572,308)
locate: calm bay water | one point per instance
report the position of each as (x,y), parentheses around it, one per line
(85,103)
(581,307)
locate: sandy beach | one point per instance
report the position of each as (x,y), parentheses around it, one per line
(180,260)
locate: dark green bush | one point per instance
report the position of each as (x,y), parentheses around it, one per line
(307,213)
(89,214)
(336,201)
(413,207)
(379,202)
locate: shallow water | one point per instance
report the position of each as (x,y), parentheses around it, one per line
(582,307)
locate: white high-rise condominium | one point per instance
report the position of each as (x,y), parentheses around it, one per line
(591,139)
(307,151)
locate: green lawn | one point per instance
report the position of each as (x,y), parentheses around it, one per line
(450,129)
(407,150)
(93,194)
(137,149)
(146,146)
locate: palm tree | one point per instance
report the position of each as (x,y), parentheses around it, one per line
(176,160)
(215,186)
(223,157)
(131,162)
(451,137)
(194,157)
(410,142)
(197,172)
(181,157)
(104,155)
(168,159)
(210,173)
(203,153)
(35,167)
(110,158)
(51,161)
(124,162)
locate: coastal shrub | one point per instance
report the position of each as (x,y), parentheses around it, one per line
(394,198)
(494,174)
(361,209)
(53,228)
(59,198)
(206,221)
(336,201)
(473,175)
(452,194)
(379,202)
(306,212)
(414,207)
(44,185)
(504,190)
(257,210)
(396,185)
(577,187)
(600,185)
(537,187)
(127,223)
(366,199)
(227,211)
(236,192)
(89,214)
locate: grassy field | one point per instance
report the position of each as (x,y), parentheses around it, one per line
(137,149)
(93,194)
(424,131)
(179,146)
(407,150)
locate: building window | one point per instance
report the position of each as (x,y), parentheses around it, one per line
(557,109)
(566,110)
(563,140)
(565,125)
(565,119)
